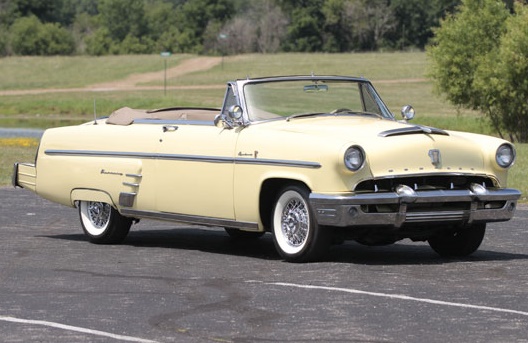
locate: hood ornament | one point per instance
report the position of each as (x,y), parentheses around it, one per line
(436,158)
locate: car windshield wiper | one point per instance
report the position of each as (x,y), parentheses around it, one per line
(303,115)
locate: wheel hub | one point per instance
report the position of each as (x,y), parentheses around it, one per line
(99,213)
(295,223)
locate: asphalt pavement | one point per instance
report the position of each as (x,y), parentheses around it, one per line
(177,283)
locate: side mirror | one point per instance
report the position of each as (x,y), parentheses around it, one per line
(407,112)
(231,119)
(218,120)
(235,112)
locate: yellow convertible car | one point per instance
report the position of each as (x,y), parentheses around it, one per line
(314,160)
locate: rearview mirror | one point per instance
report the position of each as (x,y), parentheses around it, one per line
(315,88)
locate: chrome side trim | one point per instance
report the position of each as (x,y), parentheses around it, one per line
(127,199)
(190,219)
(181,157)
(284,163)
(95,153)
(137,176)
(130,184)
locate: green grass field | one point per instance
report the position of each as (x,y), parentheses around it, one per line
(399,78)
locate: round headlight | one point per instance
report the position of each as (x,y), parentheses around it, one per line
(505,155)
(354,158)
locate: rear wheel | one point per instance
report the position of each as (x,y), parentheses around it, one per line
(102,223)
(296,234)
(460,243)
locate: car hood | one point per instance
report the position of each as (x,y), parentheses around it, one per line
(395,148)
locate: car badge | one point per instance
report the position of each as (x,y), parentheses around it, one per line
(436,157)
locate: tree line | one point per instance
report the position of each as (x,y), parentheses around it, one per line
(100,27)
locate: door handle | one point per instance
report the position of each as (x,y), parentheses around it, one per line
(169,128)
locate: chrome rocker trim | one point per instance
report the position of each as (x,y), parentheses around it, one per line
(346,210)
(190,219)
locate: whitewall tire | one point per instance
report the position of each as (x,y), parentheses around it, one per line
(102,223)
(296,234)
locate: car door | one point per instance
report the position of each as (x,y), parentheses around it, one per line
(195,165)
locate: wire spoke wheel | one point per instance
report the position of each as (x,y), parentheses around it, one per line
(295,222)
(98,215)
(102,223)
(296,234)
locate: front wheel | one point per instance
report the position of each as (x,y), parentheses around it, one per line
(102,223)
(296,234)
(460,243)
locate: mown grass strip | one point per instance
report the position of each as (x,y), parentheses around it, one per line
(18,149)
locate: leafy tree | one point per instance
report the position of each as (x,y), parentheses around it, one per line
(413,23)
(83,26)
(372,21)
(134,45)
(272,25)
(416,19)
(195,16)
(480,60)
(338,32)
(460,44)
(306,23)
(3,42)
(160,18)
(170,40)
(31,37)
(501,78)
(99,42)
(59,41)
(44,10)
(7,13)
(123,18)
(259,29)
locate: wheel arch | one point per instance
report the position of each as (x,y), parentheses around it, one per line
(83,194)
(268,192)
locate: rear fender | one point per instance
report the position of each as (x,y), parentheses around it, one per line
(91,195)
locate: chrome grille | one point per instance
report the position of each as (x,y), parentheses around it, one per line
(423,183)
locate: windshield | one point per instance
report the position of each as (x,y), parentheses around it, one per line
(269,100)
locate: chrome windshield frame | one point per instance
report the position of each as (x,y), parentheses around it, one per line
(241,96)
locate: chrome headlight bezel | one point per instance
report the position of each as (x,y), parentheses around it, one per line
(505,155)
(354,158)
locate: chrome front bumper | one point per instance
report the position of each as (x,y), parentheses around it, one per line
(431,207)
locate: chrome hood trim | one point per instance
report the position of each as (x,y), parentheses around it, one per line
(413,130)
